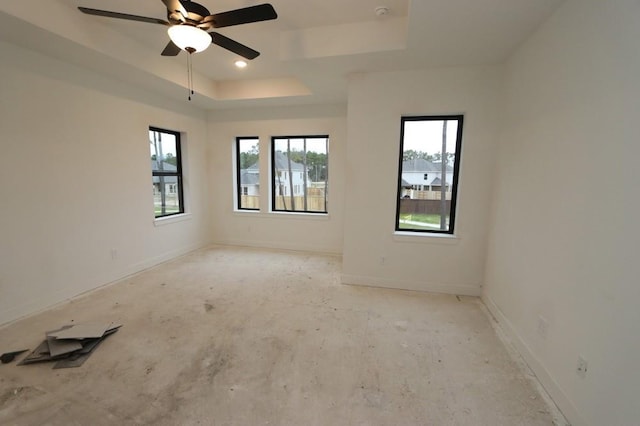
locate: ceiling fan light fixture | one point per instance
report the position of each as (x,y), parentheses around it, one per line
(240,63)
(189,38)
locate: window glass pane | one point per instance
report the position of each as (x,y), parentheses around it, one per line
(248,173)
(428,173)
(300,173)
(166,173)
(166,198)
(163,151)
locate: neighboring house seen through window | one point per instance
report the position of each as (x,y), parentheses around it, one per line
(428,173)
(166,172)
(299,178)
(247,173)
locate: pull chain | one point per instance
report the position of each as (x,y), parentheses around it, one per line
(190,50)
(189,76)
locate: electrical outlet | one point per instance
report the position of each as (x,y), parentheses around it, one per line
(581,367)
(543,326)
(114,254)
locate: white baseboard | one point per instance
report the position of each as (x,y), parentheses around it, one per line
(308,248)
(46,301)
(154,261)
(362,280)
(33,307)
(544,377)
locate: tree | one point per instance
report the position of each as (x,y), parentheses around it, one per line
(157,145)
(411,154)
(171,159)
(443,179)
(293,200)
(437,157)
(317,165)
(249,158)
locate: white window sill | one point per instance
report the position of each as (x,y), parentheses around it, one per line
(425,238)
(282,215)
(249,212)
(162,221)
(300,215)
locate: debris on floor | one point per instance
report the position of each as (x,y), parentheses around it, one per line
(7,357)
(70,345)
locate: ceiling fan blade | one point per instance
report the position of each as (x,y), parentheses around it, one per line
(171,49)
(261,12)
(176,6)
(233,46)
(118,15)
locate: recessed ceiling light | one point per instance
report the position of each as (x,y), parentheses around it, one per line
(240,63)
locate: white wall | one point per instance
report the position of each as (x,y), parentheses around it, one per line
(373,254)
(76,182)
(75,185)
(309,232)
(565,227)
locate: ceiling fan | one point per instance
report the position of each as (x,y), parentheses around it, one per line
(189,22)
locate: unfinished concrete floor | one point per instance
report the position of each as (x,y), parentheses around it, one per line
(234,336)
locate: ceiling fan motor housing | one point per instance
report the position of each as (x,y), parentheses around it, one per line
(195,14)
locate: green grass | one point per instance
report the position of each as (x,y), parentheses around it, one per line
(168,210)
(421,217)
(419,221)
(407,226)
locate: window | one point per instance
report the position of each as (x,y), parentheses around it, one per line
(305,160)
(428,173)
(166,172)
(248,173)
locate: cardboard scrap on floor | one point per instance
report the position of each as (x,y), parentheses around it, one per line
(71,345)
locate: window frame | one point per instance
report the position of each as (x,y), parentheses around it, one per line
(238,173)
(456,173)
(177,173)
(274,187)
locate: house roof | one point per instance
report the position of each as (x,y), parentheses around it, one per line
(249,178)
(282,162)
(167,179)
(422,165)
(166,167)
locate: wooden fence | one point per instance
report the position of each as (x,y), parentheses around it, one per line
(250,201)
(425,195)
(315,203)
(422,206)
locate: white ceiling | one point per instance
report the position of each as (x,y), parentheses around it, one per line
(306,54)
